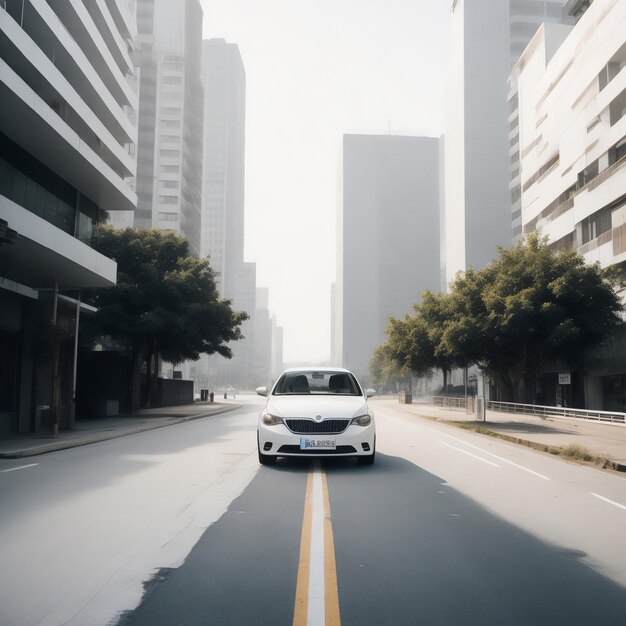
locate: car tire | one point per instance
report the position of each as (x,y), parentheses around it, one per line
(266,459)
(369,459)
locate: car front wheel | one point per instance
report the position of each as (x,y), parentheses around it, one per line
(265,459)
(367,460)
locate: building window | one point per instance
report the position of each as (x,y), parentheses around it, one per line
(596,224)
(171,110)
(172,80)
(588,174)
(170,153)
(8,370)
(617,152)
(168,199)
(29,183)
(617,108)
(170,169)
(608,73)
(168,217)
(170,139)
(169,184)
(516,194)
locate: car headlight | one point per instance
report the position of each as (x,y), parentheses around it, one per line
(362,420)
(271,420)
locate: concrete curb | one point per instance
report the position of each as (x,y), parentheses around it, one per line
(97,437)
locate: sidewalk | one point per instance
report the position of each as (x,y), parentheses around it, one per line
(604,440)
(101,429)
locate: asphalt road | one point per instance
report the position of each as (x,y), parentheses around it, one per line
(181,526)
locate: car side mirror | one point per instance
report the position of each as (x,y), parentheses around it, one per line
(262,391)
(370,392)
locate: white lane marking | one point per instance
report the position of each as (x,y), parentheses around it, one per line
(14,469)
(316,614)
(434,430)
(617,504)
(468,454)
(526,469)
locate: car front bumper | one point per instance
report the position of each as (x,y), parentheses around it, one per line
(354,441)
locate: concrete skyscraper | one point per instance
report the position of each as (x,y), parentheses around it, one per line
(388,239)
(223,180)
(571,82)
(169,155)
(481,142)
(224,80)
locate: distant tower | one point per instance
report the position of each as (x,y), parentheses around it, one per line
(481,142)
(223,180)
(169,171)
(224,79)
(388,239)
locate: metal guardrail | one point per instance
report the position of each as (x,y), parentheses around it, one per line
(607,417)
(450,402)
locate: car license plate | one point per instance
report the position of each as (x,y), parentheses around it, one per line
(306,443)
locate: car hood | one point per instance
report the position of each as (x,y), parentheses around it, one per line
(310,406)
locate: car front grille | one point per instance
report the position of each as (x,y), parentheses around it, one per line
(296,450)
(306,426)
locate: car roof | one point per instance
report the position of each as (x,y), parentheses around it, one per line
(316,369)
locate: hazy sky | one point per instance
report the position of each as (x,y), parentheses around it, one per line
(315,70)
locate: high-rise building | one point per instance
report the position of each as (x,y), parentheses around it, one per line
(571,84)
(223,180)
(481,138)
(68,130)
(388,239)
(169,156)
(224,80)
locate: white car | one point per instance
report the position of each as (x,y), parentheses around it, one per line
(316,412)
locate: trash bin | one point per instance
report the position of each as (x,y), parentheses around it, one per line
(211,396)
(204,395)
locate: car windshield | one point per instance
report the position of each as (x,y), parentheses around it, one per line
(317,382)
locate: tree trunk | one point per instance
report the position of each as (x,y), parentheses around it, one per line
(149,356)
(130,389)
(508,388)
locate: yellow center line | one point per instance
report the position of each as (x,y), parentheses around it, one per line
(302,585)
(330,615)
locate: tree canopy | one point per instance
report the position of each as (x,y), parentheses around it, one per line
(532,305)
(165,301)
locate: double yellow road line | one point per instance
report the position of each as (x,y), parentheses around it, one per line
(317,598)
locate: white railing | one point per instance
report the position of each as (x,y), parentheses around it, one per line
(608,417)
(448,402)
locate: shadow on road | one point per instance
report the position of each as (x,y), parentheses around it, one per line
(409,550)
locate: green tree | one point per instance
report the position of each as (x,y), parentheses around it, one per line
(435,311)
(415,342)
(532,305)
(165,302)
(384,371)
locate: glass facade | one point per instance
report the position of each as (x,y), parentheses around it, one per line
(8,370)
(27,182)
